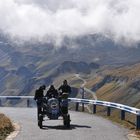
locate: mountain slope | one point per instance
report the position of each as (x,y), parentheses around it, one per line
(120,85)
(26,66)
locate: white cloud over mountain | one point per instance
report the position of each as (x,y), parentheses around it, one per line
(47,19)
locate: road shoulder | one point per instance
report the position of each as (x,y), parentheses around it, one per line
(16,131)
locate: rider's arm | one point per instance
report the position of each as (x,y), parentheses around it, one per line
(47,94)
(60,88)
(69,90)
(35,97)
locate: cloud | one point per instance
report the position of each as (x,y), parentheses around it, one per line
(47,19)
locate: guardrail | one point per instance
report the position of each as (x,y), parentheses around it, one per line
(109,105)
(28,98)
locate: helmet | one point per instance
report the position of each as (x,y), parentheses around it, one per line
(43,87)
(52,87)
(65,82)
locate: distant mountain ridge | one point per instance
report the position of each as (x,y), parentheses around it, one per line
(120,85)
(77,67)
(24,67)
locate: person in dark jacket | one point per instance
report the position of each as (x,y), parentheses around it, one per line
(39,93)
(38,98)
(52,92)
(65,88)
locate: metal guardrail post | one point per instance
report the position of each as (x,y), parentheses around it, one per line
(28,102)
(78,101)
(122,115)
(82,91)
(77,106)
(83,108)
(0,103)
(138,122)
(94,109)
(108,111)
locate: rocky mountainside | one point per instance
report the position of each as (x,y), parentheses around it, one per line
(77,67)
(23,67)
(23,70)
(120,85)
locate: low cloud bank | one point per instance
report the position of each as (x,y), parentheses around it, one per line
(48,20)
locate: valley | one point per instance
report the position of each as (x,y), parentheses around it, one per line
(25,67)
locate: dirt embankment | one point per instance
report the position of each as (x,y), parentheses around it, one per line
(6,126)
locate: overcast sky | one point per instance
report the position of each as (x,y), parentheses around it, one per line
(46,19)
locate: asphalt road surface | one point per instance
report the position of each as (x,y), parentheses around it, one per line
(83,127)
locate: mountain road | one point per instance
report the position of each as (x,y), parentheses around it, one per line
(84,126)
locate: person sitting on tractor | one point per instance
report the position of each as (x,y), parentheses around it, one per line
(52,92)
(64,90)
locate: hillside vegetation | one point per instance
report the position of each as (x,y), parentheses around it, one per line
(121,85)
(24,67)
(5,126)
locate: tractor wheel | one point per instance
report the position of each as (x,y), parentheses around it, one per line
(66,121)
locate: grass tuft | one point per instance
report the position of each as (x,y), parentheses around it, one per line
(6,127)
